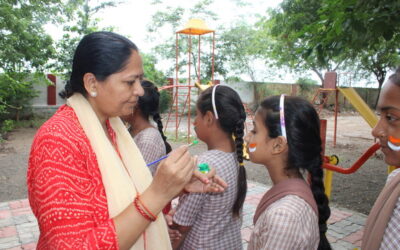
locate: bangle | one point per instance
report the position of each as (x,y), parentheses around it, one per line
(145,208)
(140,210)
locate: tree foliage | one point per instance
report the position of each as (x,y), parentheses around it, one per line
(24,51)
(359,24)
(79,20)
(368,31)
(285,34)
(150,71)
(237,45)
(24,44)
(315,35)
(157,77)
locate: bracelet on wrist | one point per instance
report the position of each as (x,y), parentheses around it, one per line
(145,208)
(147,216)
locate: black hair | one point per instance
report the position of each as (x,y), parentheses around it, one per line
(305,148)
(231,117)
(100,53)
(149,106)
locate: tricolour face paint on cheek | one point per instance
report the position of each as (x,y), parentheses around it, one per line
(392,143)
(252,147)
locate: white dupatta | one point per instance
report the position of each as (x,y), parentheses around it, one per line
(121,179)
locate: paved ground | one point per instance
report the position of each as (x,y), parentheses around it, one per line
(18,226)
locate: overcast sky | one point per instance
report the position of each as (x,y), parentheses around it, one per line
(131,18)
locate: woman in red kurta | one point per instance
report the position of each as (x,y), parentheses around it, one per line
(88,184)
(65,187)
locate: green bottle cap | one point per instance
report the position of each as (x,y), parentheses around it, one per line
(204,168)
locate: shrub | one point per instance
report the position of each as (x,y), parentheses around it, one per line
(165,100)
(16,93)
(5,127)
(306,85)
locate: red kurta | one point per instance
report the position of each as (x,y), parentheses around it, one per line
(66,192)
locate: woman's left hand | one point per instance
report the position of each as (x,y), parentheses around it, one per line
(204,183)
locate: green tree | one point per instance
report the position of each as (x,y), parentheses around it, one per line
(359,24)
(314,34)
(16,93)
(79,20)
(285,34)
(379,60)
(368,31)
(237,46)
(150,71)
(158,77)
(24,44)
(24,51)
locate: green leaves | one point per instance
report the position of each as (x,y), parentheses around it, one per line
(78,21)
(24,44)
(324,34)
(150,71)
(25,49)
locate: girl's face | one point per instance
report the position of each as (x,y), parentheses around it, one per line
(258,141)
(119,93)
(388,125)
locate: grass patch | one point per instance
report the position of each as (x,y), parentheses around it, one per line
(9,125)
(182,137)
(34,122)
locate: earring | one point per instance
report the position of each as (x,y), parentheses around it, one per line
(93,94)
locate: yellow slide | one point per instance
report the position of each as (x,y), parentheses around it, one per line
(368,115)
(359,104)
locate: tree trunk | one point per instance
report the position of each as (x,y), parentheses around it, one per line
(380,75)
(319,76)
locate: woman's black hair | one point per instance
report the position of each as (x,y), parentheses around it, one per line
(100,53)
(305,148)
(231,117)
(149,106)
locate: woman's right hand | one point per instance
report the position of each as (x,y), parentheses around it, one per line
(174,173)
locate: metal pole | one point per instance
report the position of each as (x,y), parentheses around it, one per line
(176,89)
(336,114)
(212,67)
(189,89)
(328,173)
(190,58)
(198,66)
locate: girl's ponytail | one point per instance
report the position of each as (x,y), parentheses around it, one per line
(157,119)
(149,106)
(242,181)
(318,190)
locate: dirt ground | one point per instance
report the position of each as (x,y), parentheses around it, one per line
(356,191)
